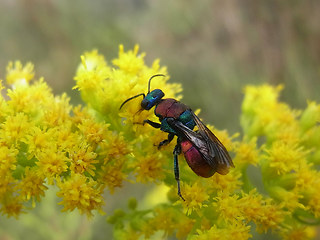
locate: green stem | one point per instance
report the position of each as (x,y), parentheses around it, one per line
(247,185)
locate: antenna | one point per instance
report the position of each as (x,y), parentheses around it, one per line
(156,75)
(140,94)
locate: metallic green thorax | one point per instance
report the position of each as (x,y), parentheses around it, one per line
(185,118)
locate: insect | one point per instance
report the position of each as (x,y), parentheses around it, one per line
(203,151)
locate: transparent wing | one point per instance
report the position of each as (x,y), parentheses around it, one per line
(215,148)
(207,143)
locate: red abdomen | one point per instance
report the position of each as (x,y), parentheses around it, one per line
(195,160)
(170,108)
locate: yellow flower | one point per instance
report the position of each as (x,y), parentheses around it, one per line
(38,141)
(307,177)
(7,160)
(226,183)
(255,97)
(285,157)
(52,163)
(314,203)
(229,207)
(59,112)
(113,176)
(232,231)
(19,74)
(15,128)
(12,207)
(249,207)
(114,147)
(130,62)
(195,197)
(299,233)
(239,231)
(263,212)
(82,159)
(80,113)
(65,137)
(23,99)
(94,132)
(92,71)
(289,134)
(7,184)
(32,185)
(80,192)
(259,96)
(246,152)
(92,79)
(149,168)
(264,115)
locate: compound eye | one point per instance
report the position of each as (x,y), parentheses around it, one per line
(144,104)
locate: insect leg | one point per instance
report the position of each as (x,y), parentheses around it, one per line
(151,123)
(166,141)
(176,152)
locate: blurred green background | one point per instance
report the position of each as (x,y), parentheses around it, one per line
(212,47)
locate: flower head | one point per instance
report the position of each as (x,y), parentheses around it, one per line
(82,159)
(32,185)
(80,192)
(284,157)
(19,74)
(52,163)
(195,198)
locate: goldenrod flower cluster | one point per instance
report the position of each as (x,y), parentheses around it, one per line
(89,149)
